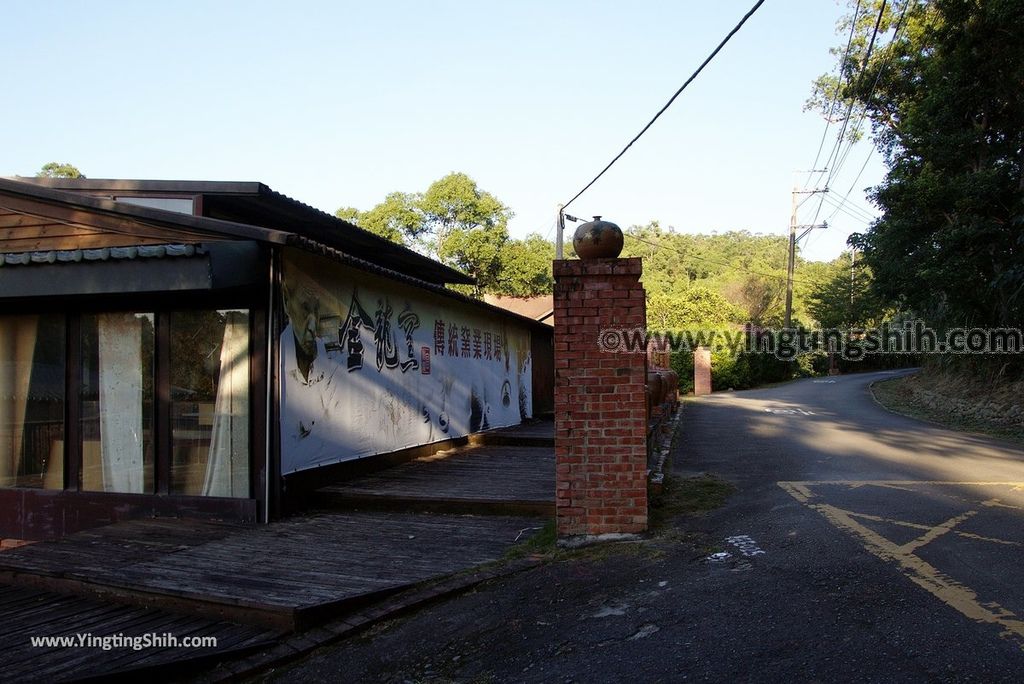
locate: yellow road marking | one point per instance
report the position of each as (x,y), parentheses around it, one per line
(799,491)
(919,526)
(949,591)
(889,483)
(878,518)
(971,535)
(997,503)
(892,486)
(936,532)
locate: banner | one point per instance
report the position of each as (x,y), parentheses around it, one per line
(370,366)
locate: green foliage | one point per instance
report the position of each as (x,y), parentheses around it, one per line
(846,298)
(697,306)
(350,214)
(526,267)
(478,252)
(673,261)
(948,114)
(761,298)
(689,496)
(746,270)
(466,228)
(883,74)
(735,368)
(59,170)
(455,203)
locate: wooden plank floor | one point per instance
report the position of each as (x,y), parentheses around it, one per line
(31,612)
(508,476)
(287,575)
(536,433)
(536,428)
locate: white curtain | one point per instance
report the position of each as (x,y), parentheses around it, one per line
(120,380)
(227,468)
(17,349)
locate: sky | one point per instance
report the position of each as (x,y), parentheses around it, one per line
(339,103)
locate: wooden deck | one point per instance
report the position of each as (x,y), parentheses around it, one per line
(30,612)
(478,479)
(538,433)
(289,575)
(249,584)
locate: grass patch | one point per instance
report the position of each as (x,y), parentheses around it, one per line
(687,496)
(541,542)
(901,395)
(678,496)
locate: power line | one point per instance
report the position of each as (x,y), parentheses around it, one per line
(871,94)
(670,101)
(712,261)
(834,163)
(851,208)
(857,214)
(849,110)
(551,228)
(846,198)
(878,78)
(835,95)
(836,208)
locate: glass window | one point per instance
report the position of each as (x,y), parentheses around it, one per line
(117,402)
(210,403)
(32,401)
(180,205)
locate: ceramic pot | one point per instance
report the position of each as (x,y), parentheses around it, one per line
(597,239)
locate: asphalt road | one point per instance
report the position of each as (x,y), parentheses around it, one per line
(859,546)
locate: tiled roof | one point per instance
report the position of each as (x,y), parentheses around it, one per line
(101,254)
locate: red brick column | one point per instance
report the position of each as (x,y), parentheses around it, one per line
(701,371)
(600,403)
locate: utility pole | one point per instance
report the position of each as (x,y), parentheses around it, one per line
(853,262)
(793,239)
(560,233)
(790,264)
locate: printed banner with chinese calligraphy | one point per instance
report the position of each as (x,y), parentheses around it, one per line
(369,366)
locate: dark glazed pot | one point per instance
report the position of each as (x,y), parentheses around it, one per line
(656,386)
(673,385)
(597,239)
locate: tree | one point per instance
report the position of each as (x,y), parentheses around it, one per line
(759,297)
(350,214)
(948,114)
(466,228)
(526,267)
(455,204)
(477,252)
(846,300)
(398,218)
(59,170)
(697,307)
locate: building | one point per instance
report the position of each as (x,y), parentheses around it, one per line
(539,308)
(203,348)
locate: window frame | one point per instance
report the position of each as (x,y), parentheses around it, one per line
(161,305)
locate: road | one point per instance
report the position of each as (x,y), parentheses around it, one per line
(859,546)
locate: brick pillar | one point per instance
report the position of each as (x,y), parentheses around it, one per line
(600,403)
(701,371)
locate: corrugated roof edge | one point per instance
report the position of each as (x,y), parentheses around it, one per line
(222,188)
(172,219)
(315,247)
(457,277)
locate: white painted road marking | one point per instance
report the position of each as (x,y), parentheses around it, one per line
(789,412)
(747,546)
